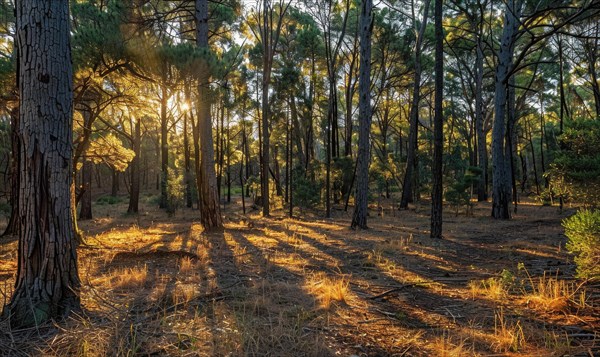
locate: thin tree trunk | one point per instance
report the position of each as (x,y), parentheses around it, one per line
(187,163)
(481,140)
(164,146)
(438,127)
(85,208)
(134,194)
(501,187)
(359,217)
(411,155)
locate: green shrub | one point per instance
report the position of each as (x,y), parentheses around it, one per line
(583,231)
(109,200)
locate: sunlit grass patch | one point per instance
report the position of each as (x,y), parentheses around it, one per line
(508,335)
(328,291)
(186,265)
(548,293)
(447,346)
(492,288)
(130,278)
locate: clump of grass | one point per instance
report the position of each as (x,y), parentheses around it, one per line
(509,335)
(553,294)
(183,293)
(446,346)
(186,265)
(130,278)
(377,258)
(393,245)
(328,290)
(492,288)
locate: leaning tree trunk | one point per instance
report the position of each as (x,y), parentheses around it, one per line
(210,211)
(47,283)
(359,217)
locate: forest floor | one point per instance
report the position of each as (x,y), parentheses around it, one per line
(156,285)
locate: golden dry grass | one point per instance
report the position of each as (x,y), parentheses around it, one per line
(312,287)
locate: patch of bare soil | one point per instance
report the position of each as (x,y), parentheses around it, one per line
(154,285)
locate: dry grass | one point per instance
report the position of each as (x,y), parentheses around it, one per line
(327,290)
(509,335)
(491,288)
(446,346)
(186,265)
(310,287)
(129,278)
(552,294)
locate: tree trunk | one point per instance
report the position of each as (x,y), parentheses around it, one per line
(187,163)
(438,127)
(13,223)
(349,93)
(411,155)
(501,185)
(210,211)
(359,217)
(164,146)
(481,140)
(85,208)
(114,190)
(47,283)
(134,195)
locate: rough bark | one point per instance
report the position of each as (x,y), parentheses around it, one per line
(501,178)
(47,283)
(12,227)
(210,211)
(359,217)
(438,127)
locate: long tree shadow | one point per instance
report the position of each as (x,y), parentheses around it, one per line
(264,305)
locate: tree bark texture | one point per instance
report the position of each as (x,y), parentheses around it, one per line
(359,217)
(438,127)
(501,178)
(210,211)
(47,284)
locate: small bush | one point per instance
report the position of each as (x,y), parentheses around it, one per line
(109,200)
(583,231)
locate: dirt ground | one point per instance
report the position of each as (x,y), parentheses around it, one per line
(156,285)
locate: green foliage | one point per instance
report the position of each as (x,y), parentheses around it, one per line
(307,192)
(459,193)
(583,231)
(109,149)
(576,170)
(175,191)
(341,174)
(108,200)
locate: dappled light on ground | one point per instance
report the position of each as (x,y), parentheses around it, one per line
(292,287)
